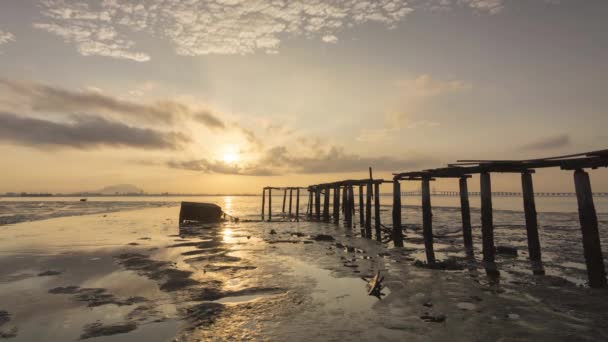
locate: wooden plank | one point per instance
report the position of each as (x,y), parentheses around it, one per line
(534,250)
(427,222)
(368,211)
(269,204)
(263,202)
(336,204)
(298,205)
(397,231)
(487,224)
(589,228)
(377,223)
(465,213)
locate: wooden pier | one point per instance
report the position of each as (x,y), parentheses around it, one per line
(368,191)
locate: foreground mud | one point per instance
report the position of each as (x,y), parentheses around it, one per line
(137,276)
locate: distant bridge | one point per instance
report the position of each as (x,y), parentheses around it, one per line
(500,194)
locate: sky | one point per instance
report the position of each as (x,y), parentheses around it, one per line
(228,96)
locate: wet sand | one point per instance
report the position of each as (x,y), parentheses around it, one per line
(134,275)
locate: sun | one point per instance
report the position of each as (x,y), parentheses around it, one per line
(230,157)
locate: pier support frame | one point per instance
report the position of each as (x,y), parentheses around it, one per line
(361,212)
(269,205)
(465,213)
(377,212)
(284,199)
(290,199)
(487,224)
(318,204)
(348,212)
(534,250)
(589,228)
(263,202)
(336,204)
(326,205)
(298,205)
(368,211)
(397,232)
(427,221)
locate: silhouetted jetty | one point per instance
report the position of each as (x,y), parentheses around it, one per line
(343,192)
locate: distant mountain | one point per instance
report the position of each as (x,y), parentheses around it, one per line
(120,189)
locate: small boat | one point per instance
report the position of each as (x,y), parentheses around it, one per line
(200,212)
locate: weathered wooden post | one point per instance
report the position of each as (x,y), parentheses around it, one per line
(589,228)
(263,201)
(487,224)
(368,211)
(298,205)
(427,221)
(531,223)
(336,204)
(290,196)
(397,232)
(269,204)
(318,203)
(309,204)
(326,204)
(361,212)
(348,207)
(344,199)
(377,211)
(465,213)
(284,198)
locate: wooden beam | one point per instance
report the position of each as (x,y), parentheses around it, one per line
(465,213)
(589,228)
(487,224)
(263,202)
(368,211)
(284,198)
(269,204)
(318,204)
(298,205)
(336,204)
(531,224)
(326,205)
(427,221)
(377,212)
(397,232)
(290,197)
(361,212)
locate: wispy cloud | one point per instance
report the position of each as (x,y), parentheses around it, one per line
(548,143)
(39,97)
(201,27)
(6,37)
(83,132)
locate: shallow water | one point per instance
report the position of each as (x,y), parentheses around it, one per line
(243,282)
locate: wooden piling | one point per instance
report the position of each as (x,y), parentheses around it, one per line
(348,211)
(465,213)
(290,196)
(427,221)
(263,202)
(336,204)
(589,228)
(397,232)
(368,211)
(298,205)
(377,212)
(318,203)
(269,204)
(361,212)
(487,224)
(284,198)
(309,204)
(531,223)
(326,205)
(344,199)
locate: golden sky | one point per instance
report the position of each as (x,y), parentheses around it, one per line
(208,96)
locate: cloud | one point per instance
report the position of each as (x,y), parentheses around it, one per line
(39,97)
(425,86)
(6,37)
(201,27)
(548,143)
(83,132)
(209,119)
(278,161)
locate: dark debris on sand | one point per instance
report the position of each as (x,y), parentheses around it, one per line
(98,329)
(6,332)
(49,273)
(96,296)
